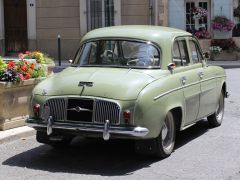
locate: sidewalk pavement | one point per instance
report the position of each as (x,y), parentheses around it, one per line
(23,132)
(15,134)
(225,64)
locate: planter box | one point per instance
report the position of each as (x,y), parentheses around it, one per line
(14,102)
(222,34)
(226,56)
(49,68)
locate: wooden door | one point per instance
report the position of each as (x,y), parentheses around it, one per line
(15,20)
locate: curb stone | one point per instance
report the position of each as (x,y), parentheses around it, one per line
(15,134)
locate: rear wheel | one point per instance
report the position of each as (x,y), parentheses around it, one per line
(54,140)
(216,118)
(166,140)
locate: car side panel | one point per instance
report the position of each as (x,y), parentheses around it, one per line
(191,86)
(208,98)
(156,100)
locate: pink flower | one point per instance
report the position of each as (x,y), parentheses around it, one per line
(20,55)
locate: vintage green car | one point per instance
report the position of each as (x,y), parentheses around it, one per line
(135,82)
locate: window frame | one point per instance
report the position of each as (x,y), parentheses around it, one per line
(103,12)
(197,46)
(196,23)
(182,38)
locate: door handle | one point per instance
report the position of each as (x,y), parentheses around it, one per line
(201,74)
(183,79)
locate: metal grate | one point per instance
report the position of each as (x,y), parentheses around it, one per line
(100,13)
(102,111)
(105,110)
(57,108)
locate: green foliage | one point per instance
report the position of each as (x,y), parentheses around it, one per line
(39,71)
(3,66)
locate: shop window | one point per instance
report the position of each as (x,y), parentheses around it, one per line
(100,13)
(198,18)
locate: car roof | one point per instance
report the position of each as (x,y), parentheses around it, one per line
(155,34)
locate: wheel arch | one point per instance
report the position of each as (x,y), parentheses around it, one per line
(224,89)
(178,117)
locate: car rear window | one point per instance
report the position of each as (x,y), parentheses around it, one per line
(119,53)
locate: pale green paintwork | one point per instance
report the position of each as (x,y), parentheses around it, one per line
(148,93)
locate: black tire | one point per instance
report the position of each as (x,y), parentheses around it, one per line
(62,142)
(166,140)
(216,118)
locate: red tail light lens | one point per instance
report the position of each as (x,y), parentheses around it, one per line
(127,116)
(36,110)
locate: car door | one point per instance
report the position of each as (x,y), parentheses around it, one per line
(187,74)
(208,94)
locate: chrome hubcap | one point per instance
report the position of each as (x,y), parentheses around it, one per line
(167,133)
(220,109)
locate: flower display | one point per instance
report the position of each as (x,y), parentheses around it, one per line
(201,34)
(3,66)
(39,56)
(215,49)
(199,12)
(20,71)
(224,44)
(221,23)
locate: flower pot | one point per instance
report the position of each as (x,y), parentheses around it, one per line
(222,34)
(226,56)
(14,102)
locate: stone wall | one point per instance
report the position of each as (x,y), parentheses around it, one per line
(58,17)
(163,12)
(135,12)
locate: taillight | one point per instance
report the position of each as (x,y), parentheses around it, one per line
(127,116)
(36,110)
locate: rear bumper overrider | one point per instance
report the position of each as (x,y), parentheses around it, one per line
(106,129)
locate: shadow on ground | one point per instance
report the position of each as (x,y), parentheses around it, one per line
(113,158)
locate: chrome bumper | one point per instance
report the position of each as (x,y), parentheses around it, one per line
(106,129)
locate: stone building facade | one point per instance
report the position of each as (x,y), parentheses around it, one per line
(35,24)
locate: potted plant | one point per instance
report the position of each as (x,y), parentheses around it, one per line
(224,49)
(199,12)
(202,34)
(41,58)
(222,27)
(17,80)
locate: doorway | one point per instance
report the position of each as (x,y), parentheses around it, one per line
(15,21)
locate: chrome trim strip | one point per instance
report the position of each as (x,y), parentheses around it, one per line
(129,131)
(188,85)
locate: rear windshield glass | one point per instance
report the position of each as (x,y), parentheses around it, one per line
(118,53)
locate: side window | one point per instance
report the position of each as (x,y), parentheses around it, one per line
(195,52)
(180,54)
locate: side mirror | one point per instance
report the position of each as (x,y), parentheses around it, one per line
(206,55)
(70,61)
(171,66)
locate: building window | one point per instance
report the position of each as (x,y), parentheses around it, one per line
(100,13)
(197,23)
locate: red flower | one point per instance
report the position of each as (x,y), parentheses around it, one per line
(24,68)
(27,52)
(21,77)
(11,65)
(27,76)
(32,66)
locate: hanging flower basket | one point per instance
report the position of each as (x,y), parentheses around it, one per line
(222,27)
(221,23)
